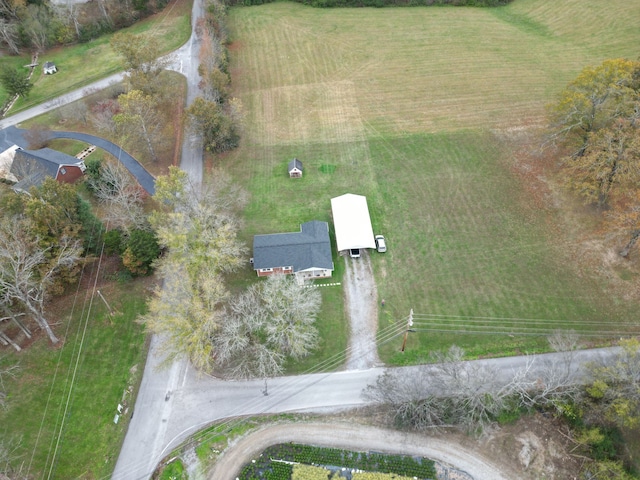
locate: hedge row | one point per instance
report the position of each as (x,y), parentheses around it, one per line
(382,3)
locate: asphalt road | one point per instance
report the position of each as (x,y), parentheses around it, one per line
(194,402)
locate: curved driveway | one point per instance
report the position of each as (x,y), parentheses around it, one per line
(145,179)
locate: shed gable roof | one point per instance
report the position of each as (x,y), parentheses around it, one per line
(309,248)
(295,164)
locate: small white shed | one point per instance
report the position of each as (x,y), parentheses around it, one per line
(49,68)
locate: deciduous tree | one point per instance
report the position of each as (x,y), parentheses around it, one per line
(140,121)
(28,269)
(609,164)
(186,312)
(123,198)
(270,322)
(598,95)
(616,385)
(141,60)
(209,120)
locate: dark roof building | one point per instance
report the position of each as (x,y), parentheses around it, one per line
(307,253)
(295,168)
(31,167)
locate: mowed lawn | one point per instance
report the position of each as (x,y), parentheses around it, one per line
(409,107)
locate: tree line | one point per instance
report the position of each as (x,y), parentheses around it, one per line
(40,24)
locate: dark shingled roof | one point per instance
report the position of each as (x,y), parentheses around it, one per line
(295,163)
(31,167)
(309,248)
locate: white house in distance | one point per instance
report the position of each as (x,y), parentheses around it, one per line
(352,222)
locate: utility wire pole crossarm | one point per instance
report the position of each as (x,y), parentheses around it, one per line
(406,332)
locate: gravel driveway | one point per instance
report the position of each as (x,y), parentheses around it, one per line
(468,463)
(361,300)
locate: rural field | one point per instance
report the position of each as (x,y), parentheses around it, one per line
(429,112)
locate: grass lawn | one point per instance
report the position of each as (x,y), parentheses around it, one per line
(62,405)
(412,107)
(81,64)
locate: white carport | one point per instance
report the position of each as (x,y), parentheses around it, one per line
(352,222)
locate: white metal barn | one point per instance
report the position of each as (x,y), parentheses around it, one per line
(352,222)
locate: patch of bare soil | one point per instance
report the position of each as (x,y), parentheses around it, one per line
(361,301)
(579,230)
(533,448)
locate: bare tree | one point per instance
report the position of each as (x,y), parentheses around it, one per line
(122,196)
(102,114)
(10,466)
(9,35)
(470,395)
(267,324)
(28,270)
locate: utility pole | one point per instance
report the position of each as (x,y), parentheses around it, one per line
(406,332)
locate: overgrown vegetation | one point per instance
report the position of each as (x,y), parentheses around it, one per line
(38,26)
(215,116)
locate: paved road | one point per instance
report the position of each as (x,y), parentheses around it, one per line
(145,179)
(24,115)
(196,401)
(156,404)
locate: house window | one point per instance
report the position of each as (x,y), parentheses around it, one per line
(63,171)
(266,269)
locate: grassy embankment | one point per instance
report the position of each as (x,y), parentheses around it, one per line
(61,406)
(84,63)
(418,108)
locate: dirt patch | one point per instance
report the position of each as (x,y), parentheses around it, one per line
(361,301)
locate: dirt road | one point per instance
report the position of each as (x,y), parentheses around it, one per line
(361,300)
(469,464)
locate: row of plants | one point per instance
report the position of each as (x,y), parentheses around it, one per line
(264,467)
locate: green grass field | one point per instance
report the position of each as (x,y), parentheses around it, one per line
(61,406)
(412,107)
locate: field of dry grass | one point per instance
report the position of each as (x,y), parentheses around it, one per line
(413,107)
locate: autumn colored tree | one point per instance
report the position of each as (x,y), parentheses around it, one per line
(140,121)
(591,101)
(208,119)
(141,60)
(616,385)
(198,230)
(609,164)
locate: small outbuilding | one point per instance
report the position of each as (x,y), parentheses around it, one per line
(295,168)
(49,68)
